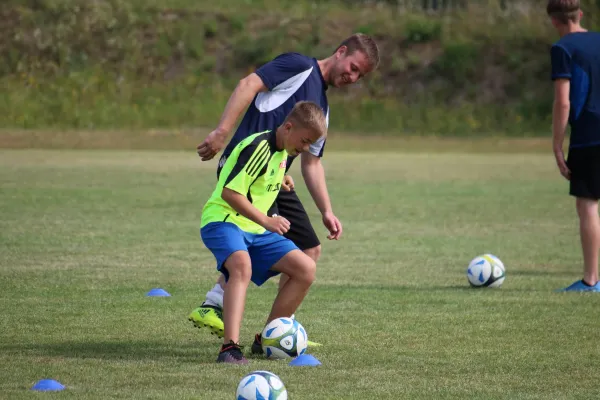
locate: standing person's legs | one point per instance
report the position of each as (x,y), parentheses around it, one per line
(589,231)
(584,185)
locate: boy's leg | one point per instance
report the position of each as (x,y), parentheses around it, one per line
(272,254)
(301,232)
(589,231)
(240,271)
(301,271)
(229,245)
(314,253)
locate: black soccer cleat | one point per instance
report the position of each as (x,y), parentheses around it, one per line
(231,353)
(257,345)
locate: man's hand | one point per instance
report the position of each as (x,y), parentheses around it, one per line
(277,224)
(213,143)
(562,164)
(333,225)
(288,183)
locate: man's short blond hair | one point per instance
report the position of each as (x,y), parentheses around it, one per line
(365,44)
(564,10)
(308,115)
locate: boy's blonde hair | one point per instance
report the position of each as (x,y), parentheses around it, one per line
(564,10)
(308,115)
(365,44)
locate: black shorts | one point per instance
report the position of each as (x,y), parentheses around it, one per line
(301,232)
(584,163)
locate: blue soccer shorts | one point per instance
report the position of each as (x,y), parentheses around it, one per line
(265,250)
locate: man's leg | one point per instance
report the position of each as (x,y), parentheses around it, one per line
(214,297)
(210,313)
(589,231)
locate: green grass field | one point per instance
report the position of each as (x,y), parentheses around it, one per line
(84,234)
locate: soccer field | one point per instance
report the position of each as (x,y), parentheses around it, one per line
(85,234)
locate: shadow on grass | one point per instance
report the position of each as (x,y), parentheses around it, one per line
(570,273)
(335,289)
(197,352)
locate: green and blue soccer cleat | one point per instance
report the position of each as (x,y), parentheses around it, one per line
(208,317)
(257,345)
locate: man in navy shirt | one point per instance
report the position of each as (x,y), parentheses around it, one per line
(269,94)
(576,75)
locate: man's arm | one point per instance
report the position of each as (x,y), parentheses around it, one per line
(239,100)
(560,119)
(314,176)
(266,78)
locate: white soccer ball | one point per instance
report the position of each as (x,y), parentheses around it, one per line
(486,271)
(284,338)
(261,385)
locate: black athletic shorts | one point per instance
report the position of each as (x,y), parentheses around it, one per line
(301,232)
(584,163)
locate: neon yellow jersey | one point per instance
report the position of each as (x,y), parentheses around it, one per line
(255,168)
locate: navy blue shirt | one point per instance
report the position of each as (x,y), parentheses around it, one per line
(576,57)
(290,78)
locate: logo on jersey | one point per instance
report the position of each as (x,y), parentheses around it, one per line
(283,164)
(222,161)
(272,172)
(273,188)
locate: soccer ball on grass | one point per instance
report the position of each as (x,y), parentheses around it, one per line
(261,385)
(486,271)
(284,338)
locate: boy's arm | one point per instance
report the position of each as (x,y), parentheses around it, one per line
(240,99)
(314,176)
(560,119)
(560,59)
(242,205)
(250,162)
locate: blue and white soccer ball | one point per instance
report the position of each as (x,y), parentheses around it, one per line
(486,271)
(284,338)
(261,385)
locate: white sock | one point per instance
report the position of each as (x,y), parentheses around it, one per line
(214,297)
(293,315)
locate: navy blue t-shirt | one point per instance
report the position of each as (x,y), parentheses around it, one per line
(290,78)
(576,57)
